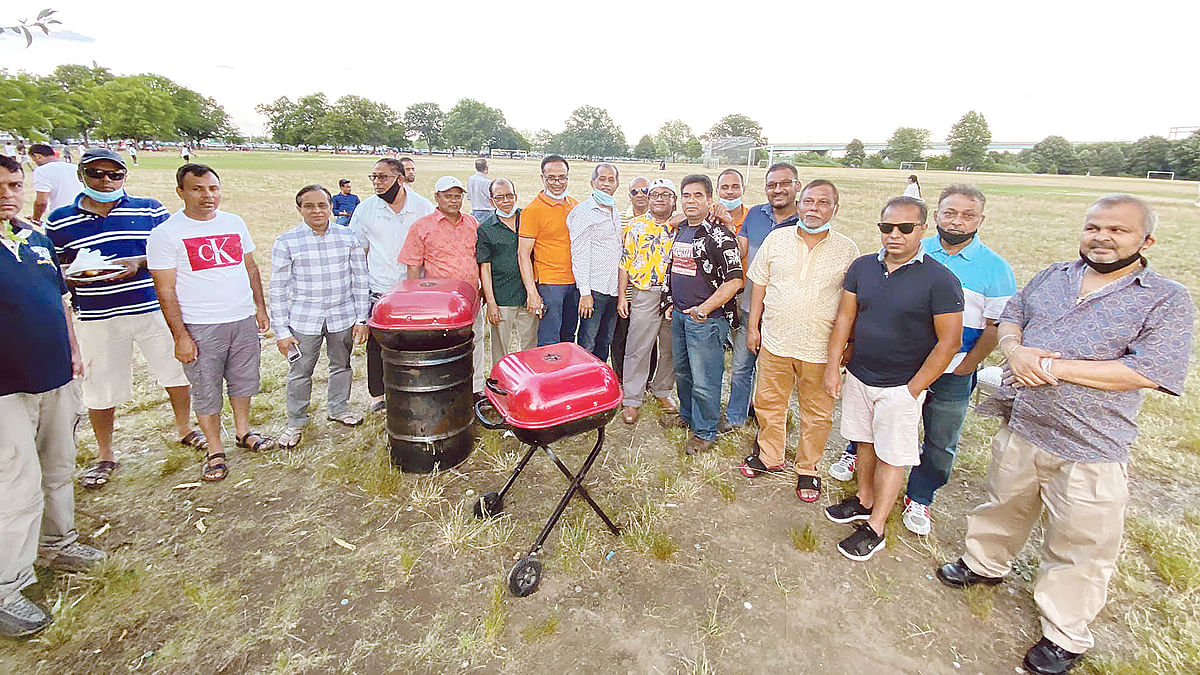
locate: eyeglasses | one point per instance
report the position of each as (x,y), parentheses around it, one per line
(950,215)
(781,185)
(639,191)
(101,173)
(662,195)
(503,198)
(554,179)
(905,228)
(381,176)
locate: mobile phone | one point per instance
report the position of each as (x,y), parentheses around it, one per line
(293,352)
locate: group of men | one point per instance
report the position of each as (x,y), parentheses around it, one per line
(777,282)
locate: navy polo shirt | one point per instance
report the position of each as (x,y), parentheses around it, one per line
(36,354)
(893,331)
(121,234)
(345,203)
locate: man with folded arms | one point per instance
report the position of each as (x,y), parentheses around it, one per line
(595,230)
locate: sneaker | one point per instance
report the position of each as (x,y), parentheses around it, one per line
(1047,658)
(74,557)
(916,517)
(847,511)
(19,617)
(752,466)
(843,469)
(861,545)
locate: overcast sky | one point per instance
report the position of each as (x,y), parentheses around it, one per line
(807,71)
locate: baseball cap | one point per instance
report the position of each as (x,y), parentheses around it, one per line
(664,183)
(96,154)
(448,183)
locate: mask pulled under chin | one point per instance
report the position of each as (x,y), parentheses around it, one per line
(954,238)
(104,197)
(730,204)
(509,214)
(603,198)
(1109,267)
(816,230)
(392,193)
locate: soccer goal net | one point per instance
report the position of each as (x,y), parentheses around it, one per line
(1161,175)
(914,165)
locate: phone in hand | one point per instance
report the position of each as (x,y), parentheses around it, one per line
(293,353)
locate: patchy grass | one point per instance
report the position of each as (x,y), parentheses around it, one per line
(539,630)
(804,540)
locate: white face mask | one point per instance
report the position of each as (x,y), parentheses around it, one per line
(561,195)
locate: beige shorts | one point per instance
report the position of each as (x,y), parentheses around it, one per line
(107,349)
(888,417)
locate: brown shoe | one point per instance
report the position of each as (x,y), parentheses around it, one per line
(629,414)
(667,404)
(673,420)
(697,445)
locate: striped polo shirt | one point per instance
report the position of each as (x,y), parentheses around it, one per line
(122,234)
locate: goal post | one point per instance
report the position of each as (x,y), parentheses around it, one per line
(920,166)
(1160,175)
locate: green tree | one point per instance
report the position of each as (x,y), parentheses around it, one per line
(693,150)
(590,131)
(542,140)
(44,20)
(279,114)
(1149,153)
(856,154)
(969,140)
(78,84)
(735,125)
(1110,161)
(473,125)
(1185,157)
(25,110)
(137,107)
(425,121)
(644,148)
(674,134)
(347,120)
(1055,154)
(508,138)
(907,144)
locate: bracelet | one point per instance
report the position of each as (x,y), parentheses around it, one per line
(1046,363)
(1000,345)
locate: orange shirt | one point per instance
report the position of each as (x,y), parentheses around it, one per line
(738,220)
(545,222)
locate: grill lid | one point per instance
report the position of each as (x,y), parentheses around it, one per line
(426,304)
(552,385)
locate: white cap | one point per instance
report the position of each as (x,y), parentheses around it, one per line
(448,183)
(664,183)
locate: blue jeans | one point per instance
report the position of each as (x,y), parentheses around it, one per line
(560,315)
(699,367)
(596,331)
(945,409)
(480,214)
(741,376)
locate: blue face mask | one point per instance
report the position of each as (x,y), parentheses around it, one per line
(731,204)
(104,197)
(603,198)
(502,214)
(815,230)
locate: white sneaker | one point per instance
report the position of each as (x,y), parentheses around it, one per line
(843,469)
(916,517)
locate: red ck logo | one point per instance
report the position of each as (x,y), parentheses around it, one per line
(221,250)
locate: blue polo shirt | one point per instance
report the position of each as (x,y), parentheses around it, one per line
(987,282)
(345,203)
(37,354)
(759,222)
(893,330)
(122,234)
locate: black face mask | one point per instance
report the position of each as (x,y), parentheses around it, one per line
(1108,267)
(390,195)
(953,238)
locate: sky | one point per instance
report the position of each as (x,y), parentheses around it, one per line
(807,71)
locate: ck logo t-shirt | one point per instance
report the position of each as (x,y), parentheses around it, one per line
(208,257)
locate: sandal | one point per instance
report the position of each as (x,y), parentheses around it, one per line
(195,439)
(379,406)
(290,438)
(346,419)
(263,442)
(808,483)
(215,472)
(97,476)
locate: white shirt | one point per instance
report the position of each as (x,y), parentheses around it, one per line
(479,189)
(61,180)
(10,150)
(382,232)
(208,258)
(595,247)
(183,151)
(913,190)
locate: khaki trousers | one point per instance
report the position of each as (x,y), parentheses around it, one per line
(647,326)
(778,376)
(1084,505)
(37,493)
(523,321)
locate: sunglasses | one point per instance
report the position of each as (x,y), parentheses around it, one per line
(639,191)
(101,173)
(905,228)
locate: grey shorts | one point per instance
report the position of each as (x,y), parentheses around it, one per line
(226,352)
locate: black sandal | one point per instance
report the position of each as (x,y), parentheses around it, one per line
(808,483)
(263,442)
(195,439)
(97,476)
(215,472)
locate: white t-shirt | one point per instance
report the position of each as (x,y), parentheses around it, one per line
(10,150)
(183,151)
(208,258)
(912,190)
(61,180)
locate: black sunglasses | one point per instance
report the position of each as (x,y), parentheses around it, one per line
(905,228)
(101,173)
(639,191)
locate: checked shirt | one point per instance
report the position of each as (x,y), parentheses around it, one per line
(317,281)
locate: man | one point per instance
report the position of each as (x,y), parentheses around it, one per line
(319,293)
(441,245)
(55,181)
(211,294)
(782,183)
(988,283)
(1065,442)
(37,414)
(478,186)
(133,152)
(185,153)
(117,313)
(705,272)
(639,204)
(500,275)
(544,253)
(410,171)
(595,233)
(344,202)
(730,188)
(646,247)
(797,277)
(381,224)
(905,311)
(10,150)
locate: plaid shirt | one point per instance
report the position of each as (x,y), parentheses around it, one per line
(717,258)
(317,282)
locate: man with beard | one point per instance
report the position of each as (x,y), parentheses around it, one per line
(639,203)
(1070,407)
(410,172)
(595,229)
(545,256)
(381,223)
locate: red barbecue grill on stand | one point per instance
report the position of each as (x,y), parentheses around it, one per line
(544,395)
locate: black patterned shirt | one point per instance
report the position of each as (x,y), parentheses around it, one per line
(718,260)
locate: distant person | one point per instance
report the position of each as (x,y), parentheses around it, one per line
(133,152)
(344,202)
(545,256)
(662,166)
(478,186)
(37,414)
(10,150)
(500,274)
(319,294)
(185,153)
(66,154)
(115,314)
(55,181)
(639,204)
(595,230)
(1084,339)
(211,294)
(410,170)
(913,189)
(80,149)
(381,223)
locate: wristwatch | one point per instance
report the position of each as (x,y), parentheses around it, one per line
(701,314)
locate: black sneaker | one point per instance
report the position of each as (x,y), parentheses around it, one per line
(847,511)
(19,617)
(862,544)
(1047,658)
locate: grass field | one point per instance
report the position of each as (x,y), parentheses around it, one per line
(325,559)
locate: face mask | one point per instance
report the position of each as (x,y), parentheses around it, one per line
(953,238)
(816,230)
(390,195)
(731,204)
(508,214)
(560,196)
(104,197)
(1106,268)
(603,198)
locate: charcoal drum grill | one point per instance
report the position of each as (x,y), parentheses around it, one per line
(544,395)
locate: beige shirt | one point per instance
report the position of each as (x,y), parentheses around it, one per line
(803,287)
